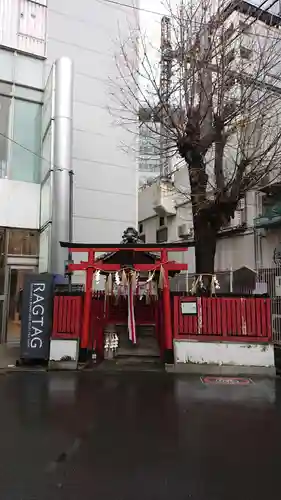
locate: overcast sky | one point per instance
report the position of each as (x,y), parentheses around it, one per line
(150,22)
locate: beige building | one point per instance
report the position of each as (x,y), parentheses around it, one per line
(253,236)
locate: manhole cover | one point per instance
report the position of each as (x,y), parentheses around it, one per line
(226,380)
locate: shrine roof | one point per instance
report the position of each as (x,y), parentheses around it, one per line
(129,257)
(132,246)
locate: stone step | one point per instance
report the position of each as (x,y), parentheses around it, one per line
(137,360)
(137,352)
(130,365)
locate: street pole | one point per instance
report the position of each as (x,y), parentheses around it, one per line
(70,230)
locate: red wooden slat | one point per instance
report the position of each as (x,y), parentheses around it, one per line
(181,323)
(69,315)
(195,325)
(268,319)
(218,313)
(63,307)
(223,317)
(255,317)
(229,317)
(234,326)
(214,315)
(60,313)
(65,313)
(236,317)
(259,316)
(74,312)
(78,321)
(244,323)
(55,316)
(225,314)
(208,317)
(204,316)
(176,317)
(263,318)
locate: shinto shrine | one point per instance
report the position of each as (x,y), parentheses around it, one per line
(134,272)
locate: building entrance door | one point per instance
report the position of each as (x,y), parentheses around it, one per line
(16,275)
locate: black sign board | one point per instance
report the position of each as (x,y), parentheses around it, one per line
(37,315)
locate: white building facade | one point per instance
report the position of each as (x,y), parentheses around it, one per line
(59,103)
(253,236)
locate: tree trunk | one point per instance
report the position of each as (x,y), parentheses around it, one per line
(205,235)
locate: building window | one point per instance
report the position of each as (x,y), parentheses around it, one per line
(228,33)
(23,242)
(161,221)
(162,235)
(2,251)
(229,57)
(24,164)
(140,228)
(245,53)
(244,27)
(5,104)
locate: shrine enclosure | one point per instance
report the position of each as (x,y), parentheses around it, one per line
(207,334)
(129,267)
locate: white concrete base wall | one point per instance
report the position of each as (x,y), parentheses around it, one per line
(63,354)
(62,348)
(223,353)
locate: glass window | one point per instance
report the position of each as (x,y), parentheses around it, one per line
(46,153)
(23,242)
(28,94)
(2,255)
(5,105)
(45,209)
(24,164)
(162,235)
(6,88)
(6,65)
(29,71)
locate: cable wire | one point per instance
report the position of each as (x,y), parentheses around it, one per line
(54,167)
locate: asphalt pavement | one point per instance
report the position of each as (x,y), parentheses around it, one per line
(138,436)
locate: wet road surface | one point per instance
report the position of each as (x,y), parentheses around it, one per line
(69,436)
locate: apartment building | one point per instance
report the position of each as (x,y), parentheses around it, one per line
(253,236)
(59,106)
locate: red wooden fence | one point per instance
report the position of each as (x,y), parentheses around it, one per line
(67,316)
(217,318)
(222,318)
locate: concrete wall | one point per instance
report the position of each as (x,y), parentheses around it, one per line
(105,196)
(223,353)
(19,204)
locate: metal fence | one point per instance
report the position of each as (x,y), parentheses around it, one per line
(245,281)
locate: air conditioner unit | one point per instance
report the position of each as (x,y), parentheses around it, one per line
(185,231)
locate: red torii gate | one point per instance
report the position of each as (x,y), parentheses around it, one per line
(96,263)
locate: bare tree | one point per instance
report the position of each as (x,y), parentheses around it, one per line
(211,93)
